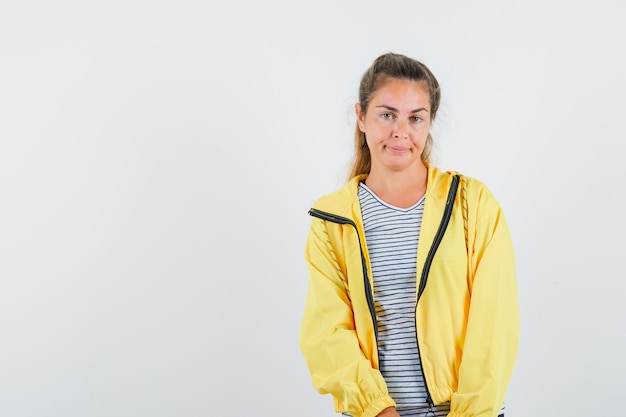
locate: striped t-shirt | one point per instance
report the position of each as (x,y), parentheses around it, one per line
(392,235)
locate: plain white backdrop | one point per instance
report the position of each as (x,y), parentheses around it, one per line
(158,158)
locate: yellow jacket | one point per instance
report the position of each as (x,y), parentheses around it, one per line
(467,316)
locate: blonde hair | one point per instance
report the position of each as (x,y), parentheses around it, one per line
(383,68)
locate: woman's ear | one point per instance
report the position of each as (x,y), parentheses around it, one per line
(359,117)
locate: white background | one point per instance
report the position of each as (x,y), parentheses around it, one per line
(158,158)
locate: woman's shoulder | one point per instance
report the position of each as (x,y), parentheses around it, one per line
(474,184)
(440,181)
(479,195)
(340,201)
(443,178)
(475,190)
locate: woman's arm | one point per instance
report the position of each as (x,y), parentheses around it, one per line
(328,338)
(492,336)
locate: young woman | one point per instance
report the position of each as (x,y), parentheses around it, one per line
(412,305)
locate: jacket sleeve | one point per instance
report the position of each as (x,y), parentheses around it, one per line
(328,337)
(492,333)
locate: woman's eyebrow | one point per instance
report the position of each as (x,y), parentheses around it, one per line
(396,110)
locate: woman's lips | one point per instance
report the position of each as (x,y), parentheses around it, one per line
(397,149)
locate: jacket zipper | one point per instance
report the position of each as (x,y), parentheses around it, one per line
(369,294)
(447,213)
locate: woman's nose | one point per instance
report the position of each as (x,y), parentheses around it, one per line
(400,130)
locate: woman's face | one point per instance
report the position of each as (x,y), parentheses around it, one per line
(396,124)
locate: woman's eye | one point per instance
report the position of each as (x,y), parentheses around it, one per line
(416,119)
(387,116)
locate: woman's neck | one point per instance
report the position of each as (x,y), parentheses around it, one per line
(399,188)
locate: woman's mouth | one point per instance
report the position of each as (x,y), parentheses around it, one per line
(397,149)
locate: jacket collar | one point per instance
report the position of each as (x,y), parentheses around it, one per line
(341,201)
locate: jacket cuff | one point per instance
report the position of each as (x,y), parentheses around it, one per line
(378,405)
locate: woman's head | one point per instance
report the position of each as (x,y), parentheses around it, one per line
(385,68)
